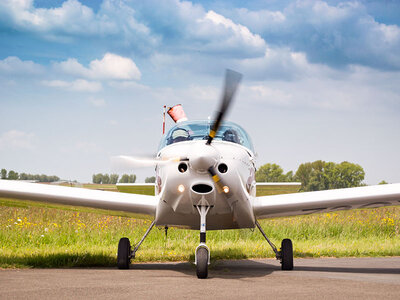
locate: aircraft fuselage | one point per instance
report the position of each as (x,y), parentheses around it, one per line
(181,189)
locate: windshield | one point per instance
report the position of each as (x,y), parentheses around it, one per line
(198,130)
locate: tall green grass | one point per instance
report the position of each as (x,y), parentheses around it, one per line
(34,235)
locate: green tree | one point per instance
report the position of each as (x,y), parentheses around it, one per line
(151,179)
(321,175)
(132,178)
(272,173)
(23,176)
(3,174)
(383,182)
(124,178)
(114,178)
(97,178)
(105,179)
(12,175)
(53,178)
(346,175)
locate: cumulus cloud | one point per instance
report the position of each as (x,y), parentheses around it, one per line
(97,102)
(337,35)
(15,139)
(355,89)
(221,34)
(14,65)
(114,20)
(111,66)
(79,85)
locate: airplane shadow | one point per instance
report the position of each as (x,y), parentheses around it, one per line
(348,270)
(240,269)
(217,269)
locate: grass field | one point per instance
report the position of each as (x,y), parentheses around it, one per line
(41,235)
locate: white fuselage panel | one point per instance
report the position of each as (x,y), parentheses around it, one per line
(179,195)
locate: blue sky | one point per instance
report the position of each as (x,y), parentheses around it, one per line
(82,81)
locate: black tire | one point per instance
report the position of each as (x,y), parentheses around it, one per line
(124,253)
(287,254)
(202,263)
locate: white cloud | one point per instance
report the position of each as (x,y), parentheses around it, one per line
(129,85)
(222,34)
(335,34)
(114,19)
(356,89)
(79,85)
(14,65)
(97,102)
(15,139)
(260,19)
(111,66)
(115,67)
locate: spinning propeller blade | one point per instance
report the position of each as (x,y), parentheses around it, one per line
(132,162)
(232,80)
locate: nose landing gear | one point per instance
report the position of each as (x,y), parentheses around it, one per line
(202,254)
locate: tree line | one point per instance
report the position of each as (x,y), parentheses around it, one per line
(113,178)
(12,175)
(316,176)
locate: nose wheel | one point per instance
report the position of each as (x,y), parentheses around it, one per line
(202,258)
(202,254)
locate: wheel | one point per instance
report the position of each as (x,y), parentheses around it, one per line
(202,263)
(287,255)
(124,253)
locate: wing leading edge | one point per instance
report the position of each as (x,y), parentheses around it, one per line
(325,201)
(140,204)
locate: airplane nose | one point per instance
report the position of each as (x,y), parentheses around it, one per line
(203,157)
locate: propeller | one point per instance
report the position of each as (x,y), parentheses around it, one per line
(232,80)
(132,162)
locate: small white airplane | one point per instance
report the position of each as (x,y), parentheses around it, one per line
(205,179)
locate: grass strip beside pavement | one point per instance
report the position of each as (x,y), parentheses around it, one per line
(41,236)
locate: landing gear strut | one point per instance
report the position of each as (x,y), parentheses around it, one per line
(125,252)
(202,255)
(285,255)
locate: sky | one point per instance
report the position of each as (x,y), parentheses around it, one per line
(82,81)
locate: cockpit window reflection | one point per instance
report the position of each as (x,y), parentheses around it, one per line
(198,130)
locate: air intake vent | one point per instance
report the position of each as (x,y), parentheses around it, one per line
(202,188)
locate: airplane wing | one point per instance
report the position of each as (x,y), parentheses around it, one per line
(141,204)
(326,201)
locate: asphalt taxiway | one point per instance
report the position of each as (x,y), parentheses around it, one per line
(327,278)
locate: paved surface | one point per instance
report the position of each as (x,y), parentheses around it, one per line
(362,278)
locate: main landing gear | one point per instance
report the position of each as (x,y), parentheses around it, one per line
(125,252)
(286,253)
(202,254)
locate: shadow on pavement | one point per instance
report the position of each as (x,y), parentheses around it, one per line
(348,270)
(256,268)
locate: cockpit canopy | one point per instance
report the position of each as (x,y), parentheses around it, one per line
(199,130)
